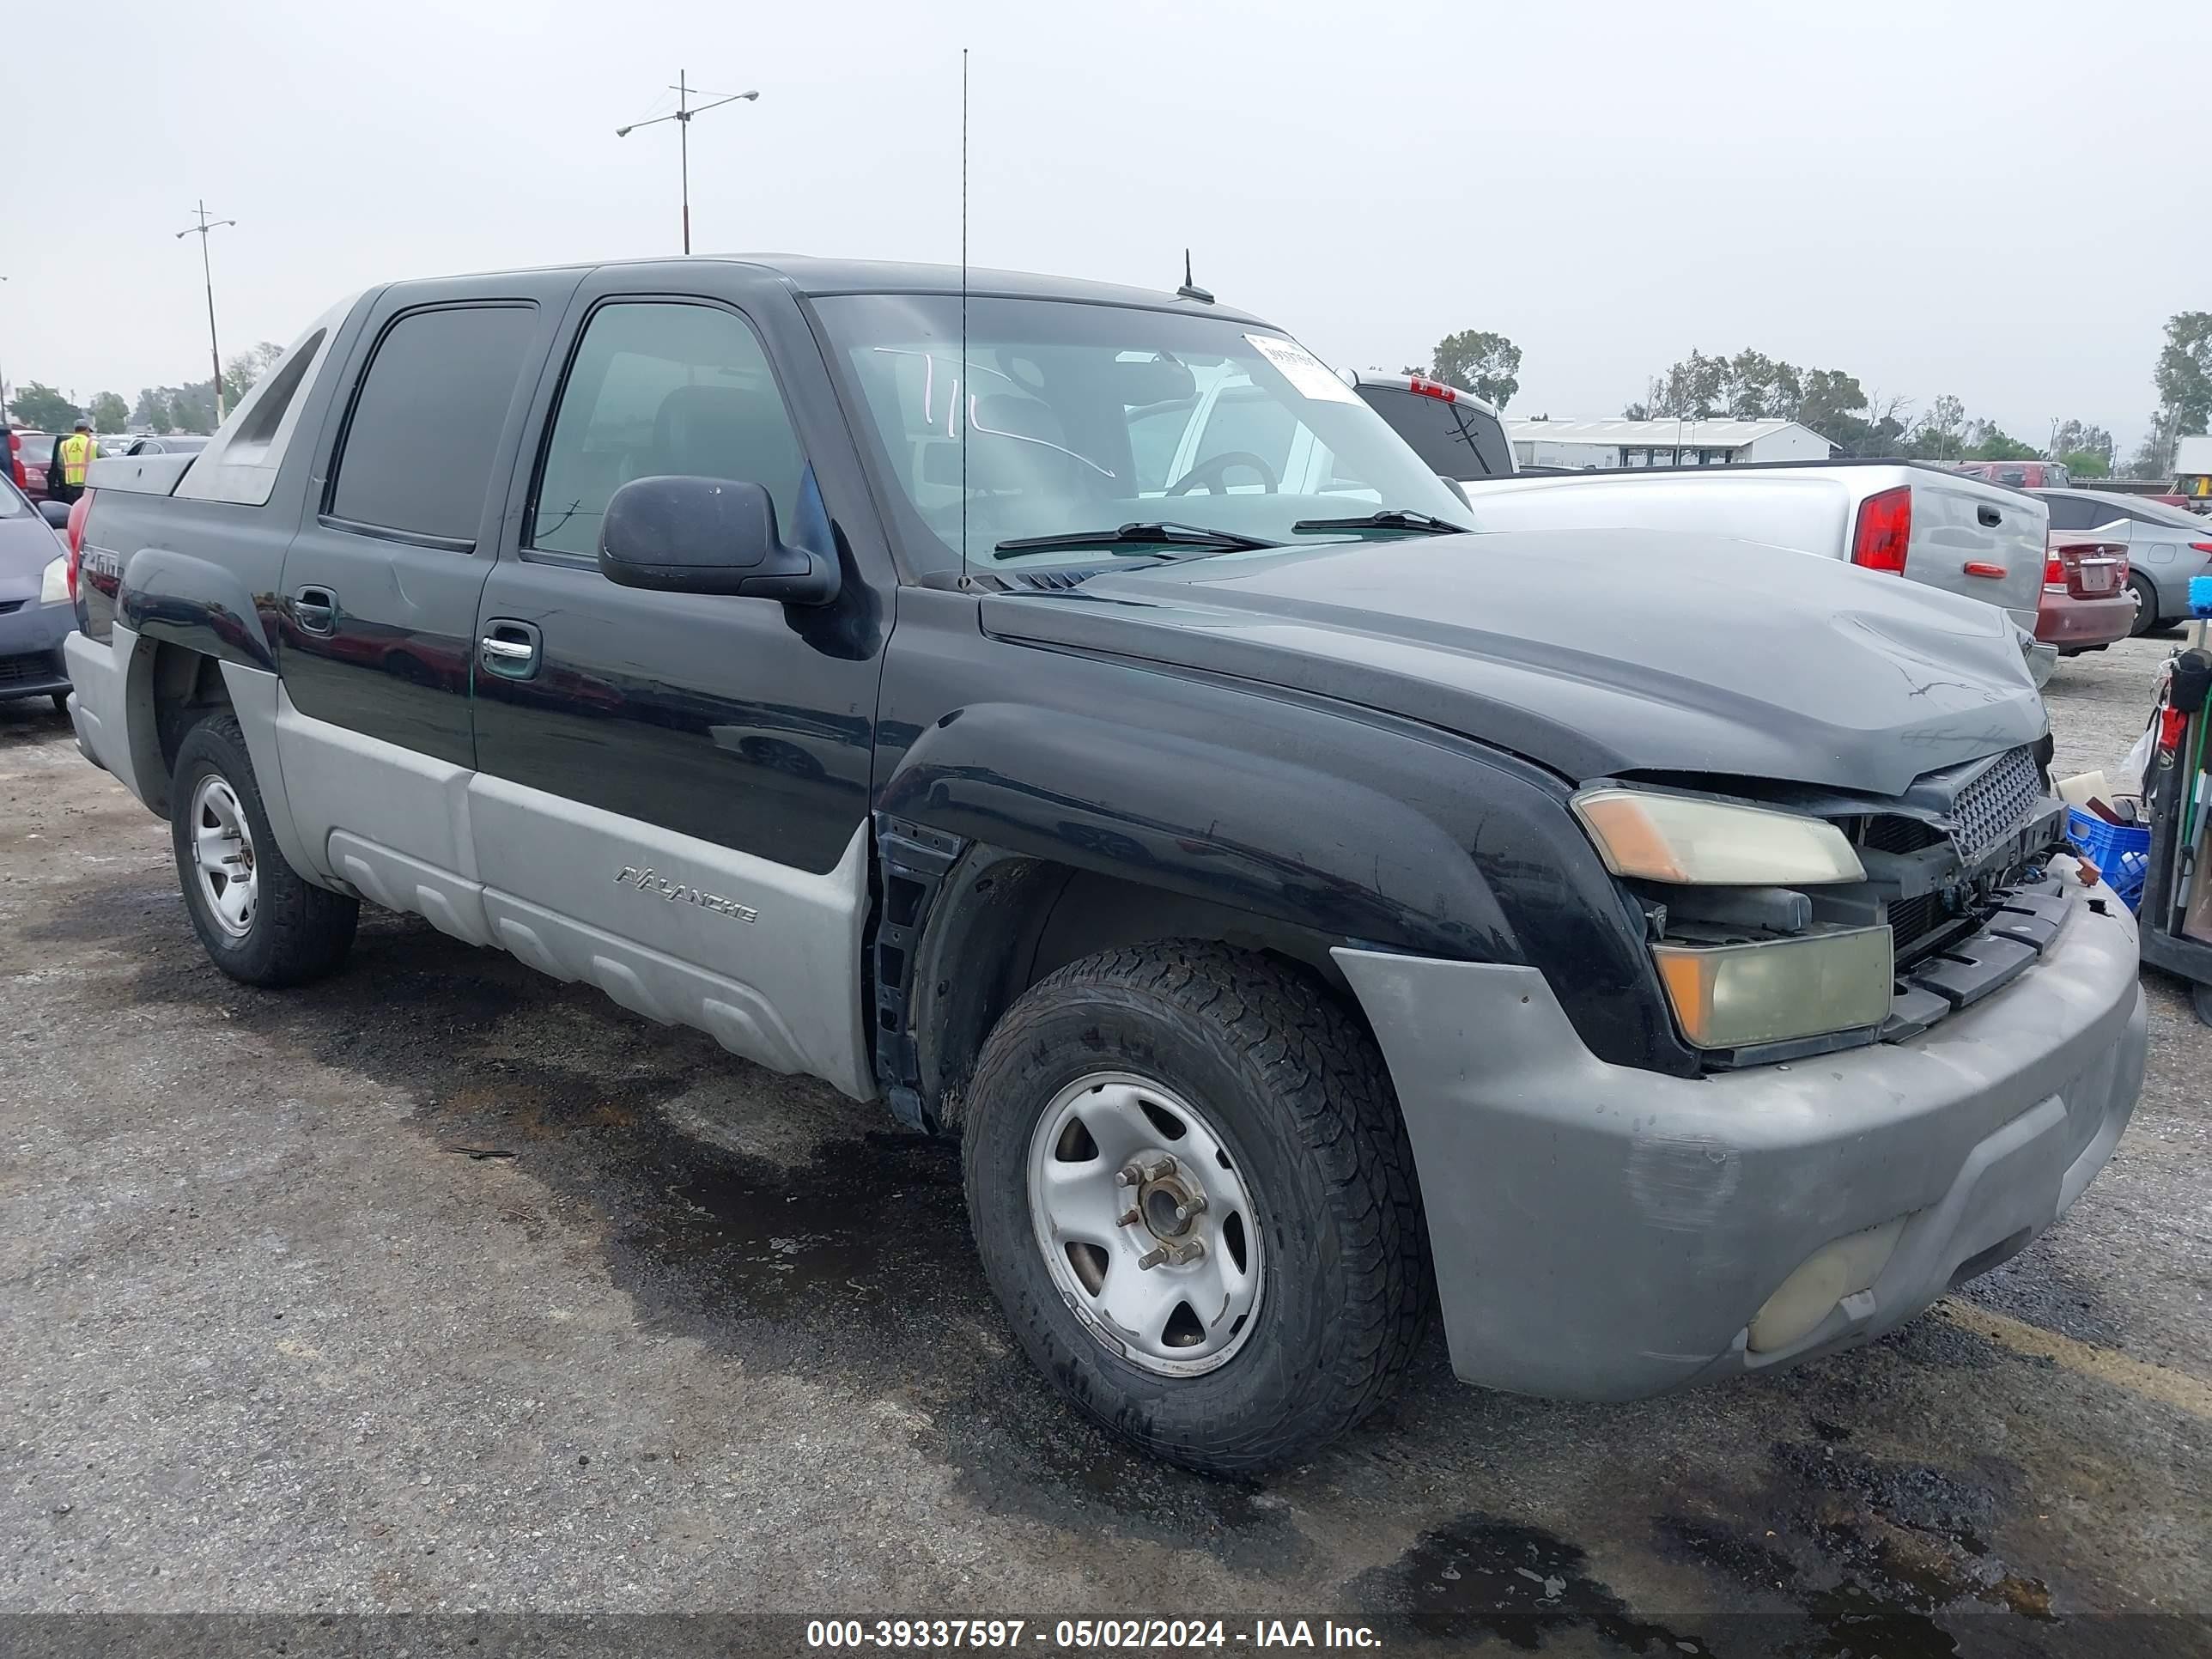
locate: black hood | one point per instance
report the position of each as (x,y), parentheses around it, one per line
(1594,653)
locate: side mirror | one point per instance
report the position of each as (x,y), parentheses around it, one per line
(55,513)
(708,535)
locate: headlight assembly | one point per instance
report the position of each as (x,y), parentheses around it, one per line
(1736,996)
(1679,838)
(54,583)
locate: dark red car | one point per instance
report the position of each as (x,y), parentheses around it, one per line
(2086,603)
(34,450)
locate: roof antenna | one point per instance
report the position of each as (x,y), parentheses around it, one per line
(1190,291)
(960,386)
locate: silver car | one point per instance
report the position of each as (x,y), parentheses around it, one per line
(2166,546)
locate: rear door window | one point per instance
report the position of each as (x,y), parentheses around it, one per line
(1453,440)
(416,459)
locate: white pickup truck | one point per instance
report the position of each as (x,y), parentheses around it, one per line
(1953,532)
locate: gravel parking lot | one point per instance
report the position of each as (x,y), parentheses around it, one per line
(443,1286)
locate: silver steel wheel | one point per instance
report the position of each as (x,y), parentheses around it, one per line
(223,849)
(1145,1224)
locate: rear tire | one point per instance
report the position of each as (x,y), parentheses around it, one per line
(61,703)
(2146,618)
(1295,1127)
(260,922)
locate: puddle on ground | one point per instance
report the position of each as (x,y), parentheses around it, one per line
(1482,1577)
(1877,1556)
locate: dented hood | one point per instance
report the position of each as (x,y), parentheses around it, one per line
(1595,653)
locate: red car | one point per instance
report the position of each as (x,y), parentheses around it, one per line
(2086,603)
(2020,475)
(34,450)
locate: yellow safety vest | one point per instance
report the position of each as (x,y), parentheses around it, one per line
(78,452)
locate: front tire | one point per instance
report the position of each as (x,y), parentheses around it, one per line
(260,922)
(1254,1282)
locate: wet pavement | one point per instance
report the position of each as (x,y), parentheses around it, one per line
(440,1285)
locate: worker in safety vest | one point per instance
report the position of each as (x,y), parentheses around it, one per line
(74,453)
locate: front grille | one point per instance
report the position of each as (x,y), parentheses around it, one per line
(1996,803)
(1891,833)
(8,605)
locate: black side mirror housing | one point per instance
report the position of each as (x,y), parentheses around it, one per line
(55,513)
(708,535)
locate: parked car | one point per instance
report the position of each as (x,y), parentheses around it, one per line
(2086,603)
(36,613)
(34,453)
(168,443)
(2017,474)
(1960,534)
(1457,433)
(2165,545)
(1297,907)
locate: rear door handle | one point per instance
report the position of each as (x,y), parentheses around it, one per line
(511,649)
(316,611)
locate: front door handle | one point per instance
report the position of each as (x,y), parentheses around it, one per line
(511,649)
(316,611)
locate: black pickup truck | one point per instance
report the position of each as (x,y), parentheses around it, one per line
(1069,716)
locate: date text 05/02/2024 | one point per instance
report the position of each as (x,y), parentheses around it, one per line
(1120,1635)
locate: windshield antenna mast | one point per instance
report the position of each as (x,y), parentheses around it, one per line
(960,386)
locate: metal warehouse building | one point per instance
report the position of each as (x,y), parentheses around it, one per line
(1662,443)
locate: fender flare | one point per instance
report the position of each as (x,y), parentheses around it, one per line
(195,603)
(1280,836)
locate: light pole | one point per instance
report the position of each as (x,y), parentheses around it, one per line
(214,354)
(684,110)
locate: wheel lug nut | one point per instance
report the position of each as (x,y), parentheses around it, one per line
(1191,1207)
(1126,1177)
(1153,1257)
(1156,1169)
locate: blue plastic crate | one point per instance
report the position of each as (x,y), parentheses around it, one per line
(2121,851)
(2200,596)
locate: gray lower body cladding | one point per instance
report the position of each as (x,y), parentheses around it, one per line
(1606,1233)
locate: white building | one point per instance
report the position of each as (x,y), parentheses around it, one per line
(1662,443)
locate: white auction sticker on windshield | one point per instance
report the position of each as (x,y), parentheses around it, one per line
(1307,374)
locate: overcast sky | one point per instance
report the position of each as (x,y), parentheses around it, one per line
(1937,197)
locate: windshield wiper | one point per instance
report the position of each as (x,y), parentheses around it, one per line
(1390,517)
(1157,533)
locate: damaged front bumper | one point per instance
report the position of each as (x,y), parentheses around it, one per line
(1601,1232)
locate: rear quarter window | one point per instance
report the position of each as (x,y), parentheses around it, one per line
(1453,440)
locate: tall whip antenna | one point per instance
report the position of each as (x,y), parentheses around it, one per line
(960,392)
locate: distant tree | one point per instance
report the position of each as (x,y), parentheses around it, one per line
(1487,364)
(2183,377)
(2074,438)
(1938,433)
(109,412)
(1987,441)
(2088,463)
(243,371)
(191,407)
(43,409)
(152,409)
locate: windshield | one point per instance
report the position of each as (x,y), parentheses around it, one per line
(1085,418)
